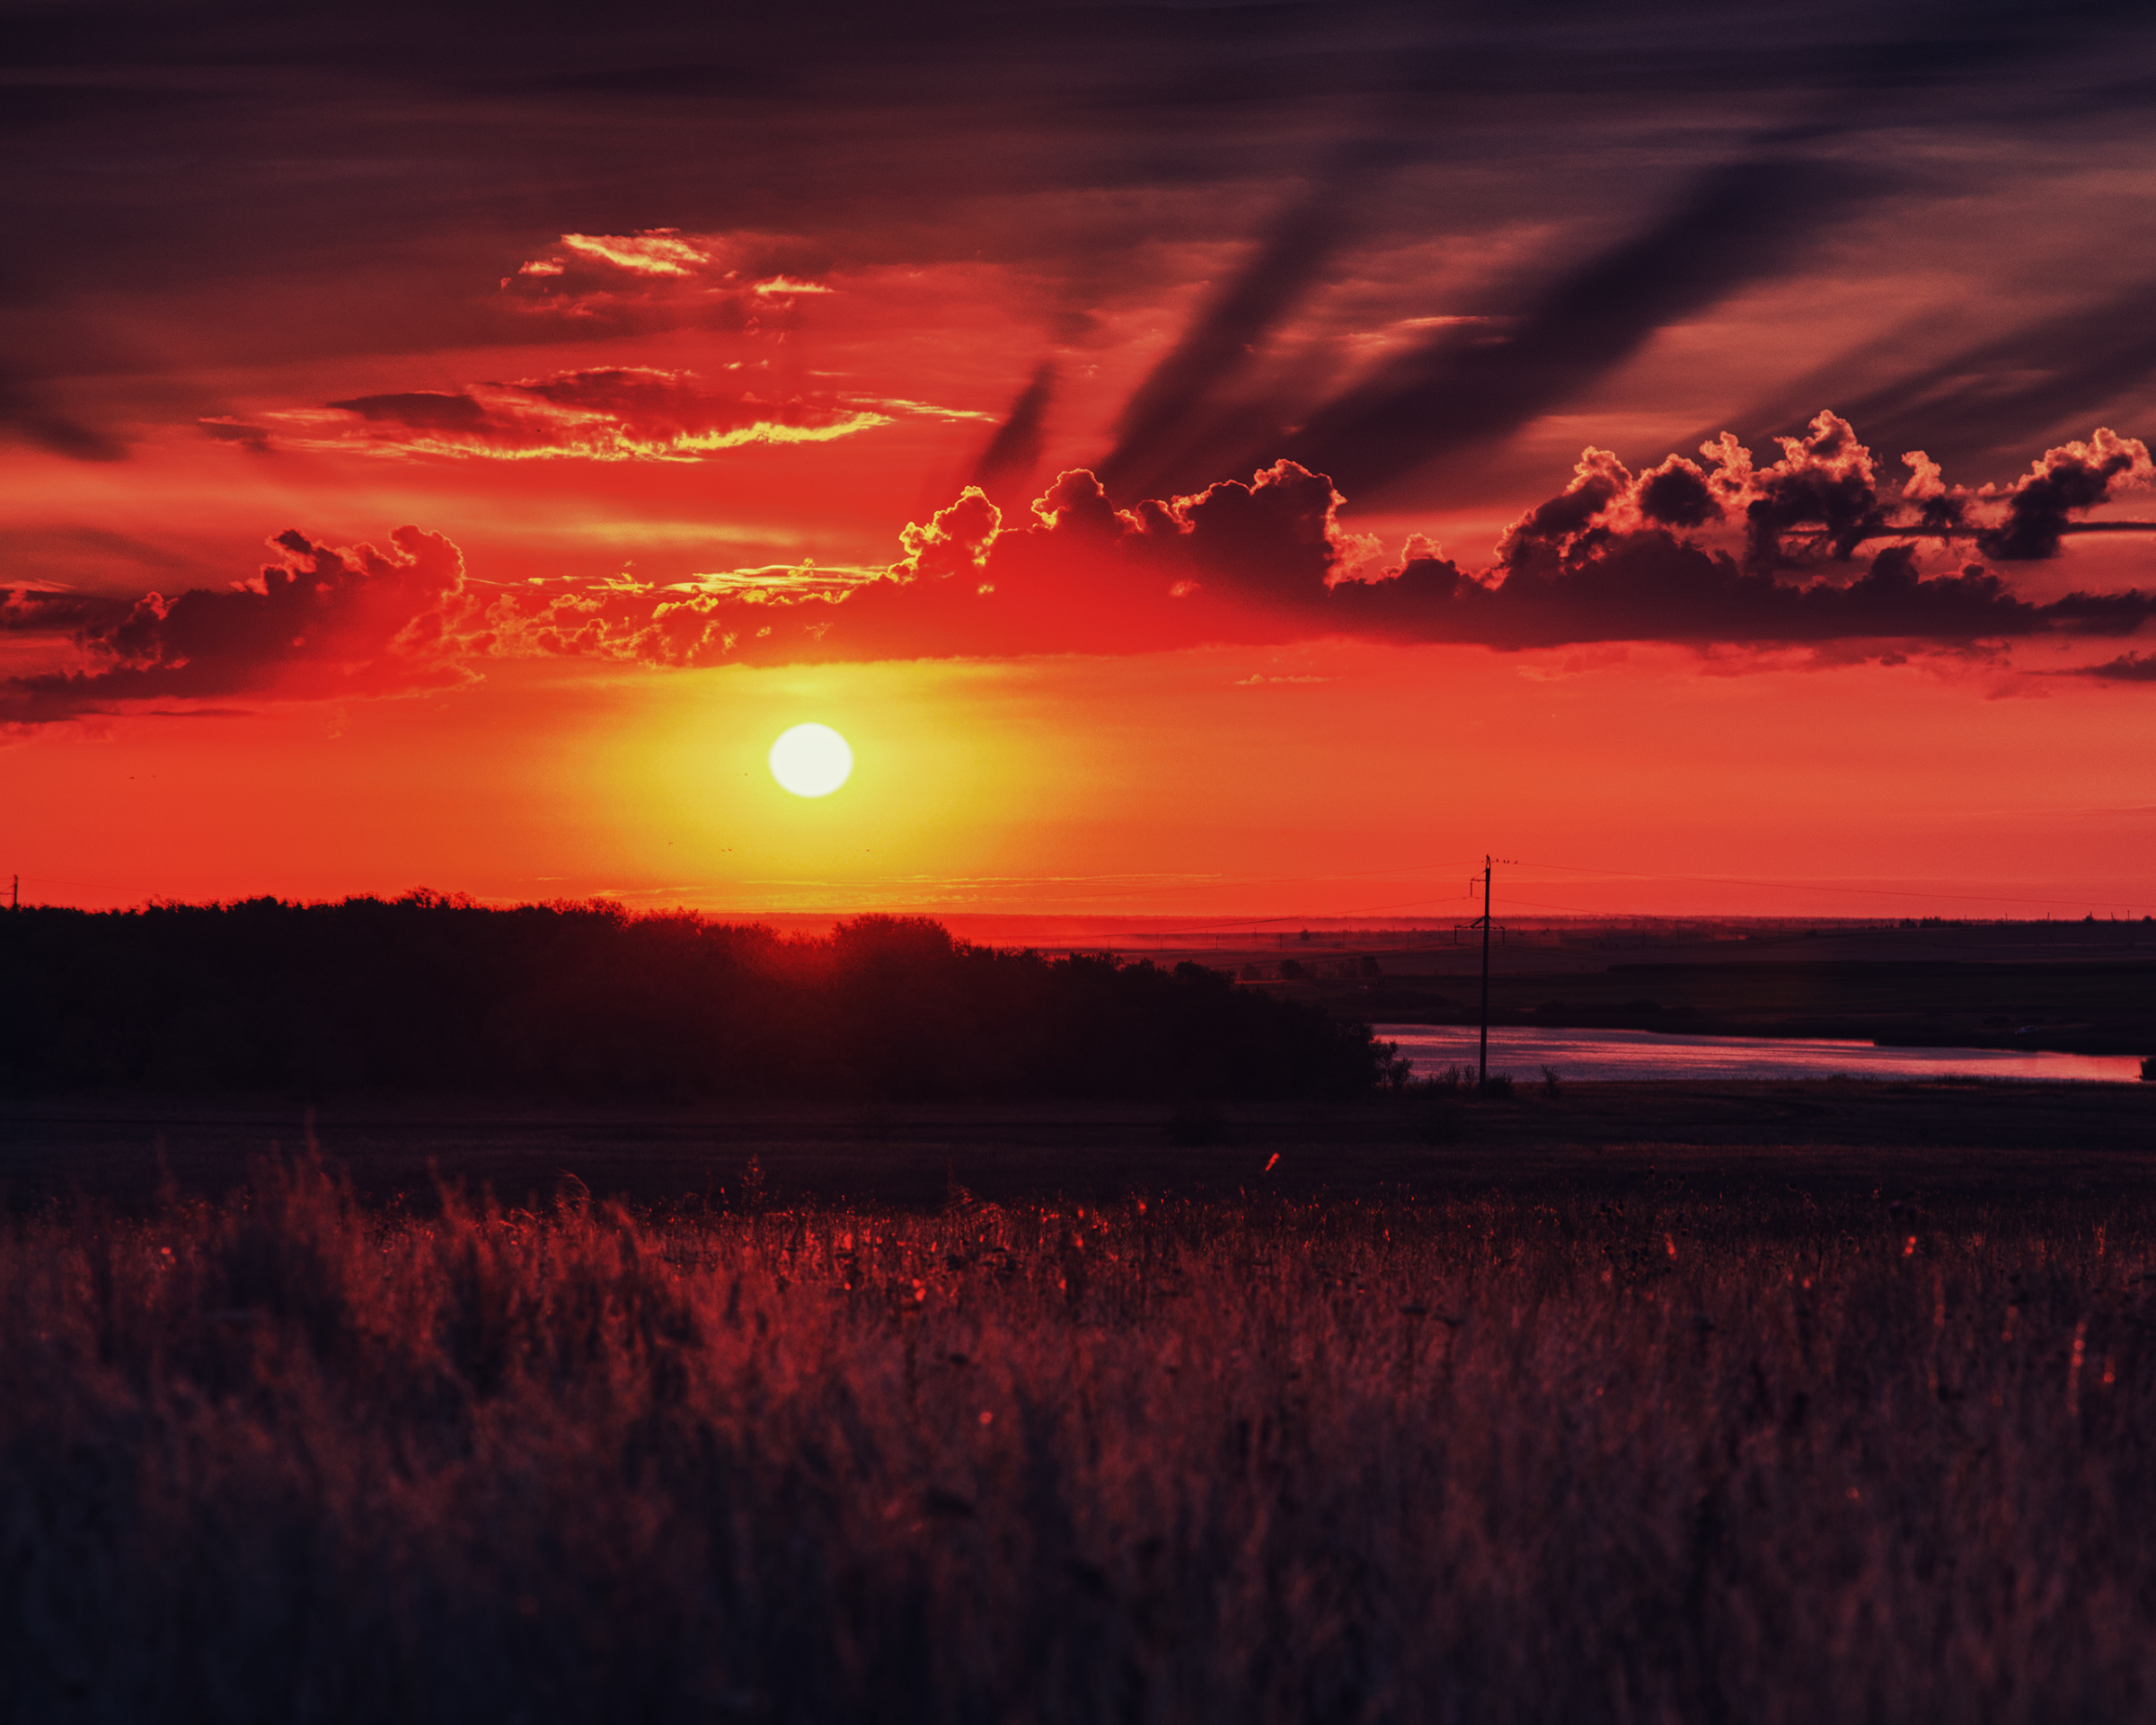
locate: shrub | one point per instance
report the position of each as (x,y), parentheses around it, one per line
(1501,1460)
(437,995)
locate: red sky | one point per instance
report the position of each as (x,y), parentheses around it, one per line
(447,452)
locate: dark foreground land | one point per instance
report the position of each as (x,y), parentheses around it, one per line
(1845,1137)
(1763,1403)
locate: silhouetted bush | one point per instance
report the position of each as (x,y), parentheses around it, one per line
(1446,1081)
(437,993)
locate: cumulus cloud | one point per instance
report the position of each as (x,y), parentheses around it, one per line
(1826,497)
(605,413)
(1076,574)
(321,621)
(1721,551)
(2065,482)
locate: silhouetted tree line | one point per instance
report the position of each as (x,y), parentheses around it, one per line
(438,993)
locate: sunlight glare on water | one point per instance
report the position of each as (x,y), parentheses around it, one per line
(1639,1054)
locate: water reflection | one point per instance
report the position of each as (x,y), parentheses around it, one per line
(1651,1054)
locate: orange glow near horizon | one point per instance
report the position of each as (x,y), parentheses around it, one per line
(487,543)
(1352,782)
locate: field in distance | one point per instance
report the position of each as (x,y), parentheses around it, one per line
(2075,987)
(2080,986)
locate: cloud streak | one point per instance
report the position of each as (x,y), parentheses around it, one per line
(1043,140)
(611,414)
(2127,667)
(1177,403)
(1014,452)
(1734,225)
(1991,398)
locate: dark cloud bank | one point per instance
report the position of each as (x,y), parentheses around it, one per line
(402,153)
(1816,549)
(319,622)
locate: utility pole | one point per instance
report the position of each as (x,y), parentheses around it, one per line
(1483,1060)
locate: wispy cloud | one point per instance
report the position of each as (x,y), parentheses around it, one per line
(611,414)
(656,251)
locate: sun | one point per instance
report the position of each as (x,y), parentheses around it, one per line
(811,760)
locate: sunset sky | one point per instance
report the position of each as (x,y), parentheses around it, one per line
(1210,461)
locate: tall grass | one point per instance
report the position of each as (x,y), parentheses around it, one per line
(283,1458)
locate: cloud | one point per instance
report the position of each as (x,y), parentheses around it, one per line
(321,621)
(661,278)
(1726,551)
(1825,498)
(1176,404)
(1993,397)
(27,413)
(1075,575)
(225,429)
(40,611)
(606,413)
(1736,223)
(385,145)
(2127,667)
(2063,482)
(655,251)
(1650,586)
(1716,552)
(1014,452)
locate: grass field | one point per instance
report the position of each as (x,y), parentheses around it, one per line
(1628,1446)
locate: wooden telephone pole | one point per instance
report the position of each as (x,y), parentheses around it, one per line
(1483,1060)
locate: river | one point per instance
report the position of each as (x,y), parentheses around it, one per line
(1637,1055)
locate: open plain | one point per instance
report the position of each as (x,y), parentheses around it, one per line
(1772,1402)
